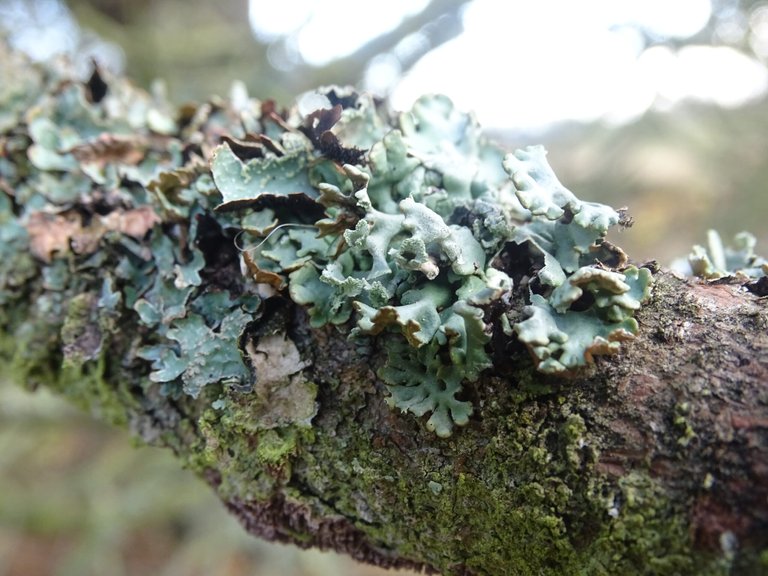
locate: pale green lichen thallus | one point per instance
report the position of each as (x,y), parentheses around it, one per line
(430,234)
(411,231)
(717,260)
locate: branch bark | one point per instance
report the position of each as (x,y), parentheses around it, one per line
(652,461)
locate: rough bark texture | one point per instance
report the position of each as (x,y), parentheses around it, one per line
(654,461)
(651,462)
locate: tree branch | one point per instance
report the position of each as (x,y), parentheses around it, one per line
(439,22)
(121,288)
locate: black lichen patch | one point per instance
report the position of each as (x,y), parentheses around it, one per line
(97,86)
(317,127)
(758,287)
(222,263)
(520,262)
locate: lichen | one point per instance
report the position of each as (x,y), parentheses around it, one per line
(283,396)
(410,242)
(173,300)
(409,230)
(96,186)
(716,260)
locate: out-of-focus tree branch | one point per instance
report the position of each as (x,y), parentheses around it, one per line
(197,46)
(438,23)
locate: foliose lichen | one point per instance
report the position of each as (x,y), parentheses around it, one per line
(411,230)
(717,260)
(416,227)
(103,211)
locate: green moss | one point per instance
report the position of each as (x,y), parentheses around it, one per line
(105,398)
(276,449)
(646,534)
(85,385)
(31,340)
(526,501)
(252,461)
(683,425)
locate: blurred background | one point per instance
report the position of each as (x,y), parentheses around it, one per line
(655,105)
(78,498)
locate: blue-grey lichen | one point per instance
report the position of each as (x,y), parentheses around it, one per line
(411,229)
(99,188)
(717,260)
(120,287)
(421,229)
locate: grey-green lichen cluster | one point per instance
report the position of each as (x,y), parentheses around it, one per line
(415,228)
(410,229)
(717,260)
(104,206)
